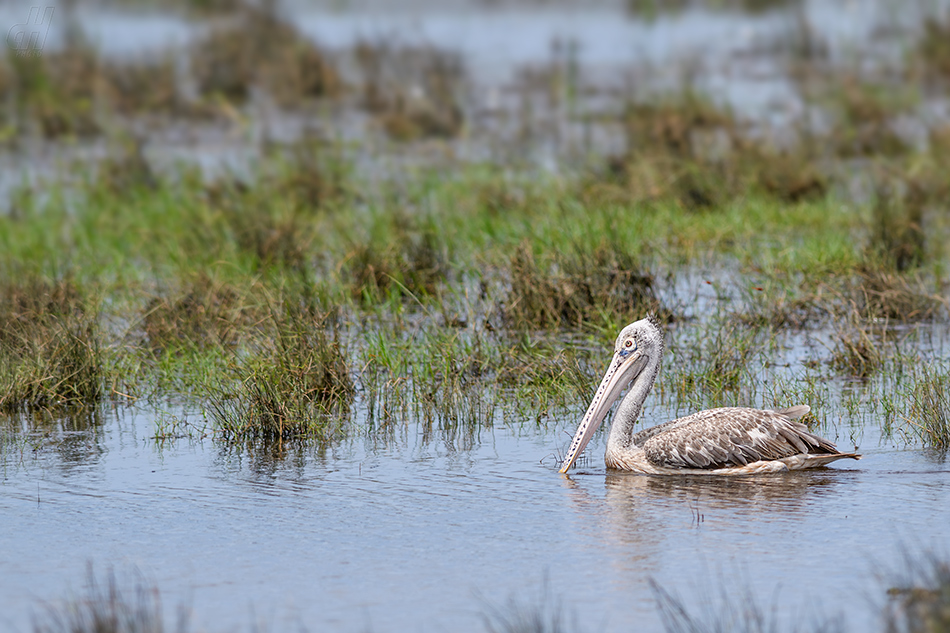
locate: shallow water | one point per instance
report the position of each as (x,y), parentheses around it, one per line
(430,535)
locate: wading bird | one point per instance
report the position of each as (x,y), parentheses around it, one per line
(725,441)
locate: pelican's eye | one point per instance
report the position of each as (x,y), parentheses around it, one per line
(628,346)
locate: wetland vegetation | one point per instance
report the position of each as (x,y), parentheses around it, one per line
(468,289)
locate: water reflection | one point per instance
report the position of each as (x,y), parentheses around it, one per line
(263,459)
(640,519)
(72,435)
(787,493)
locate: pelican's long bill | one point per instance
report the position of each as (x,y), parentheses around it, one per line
(622,371)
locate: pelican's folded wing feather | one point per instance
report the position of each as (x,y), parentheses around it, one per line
(731,436)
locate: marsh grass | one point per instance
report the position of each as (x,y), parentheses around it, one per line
(882,294)
(784,302)
(603,286)
(683,147)
(440,376)
(934,47)
(56,91)
(126,171)
(929,415)
(897,229)
(205,314)
(50,348)
(718,365)
(546,376)
(866,113)
(271,230)
(146,85)
(732,611)
(542,615)
(791,175)
(408,260)
(856,351)
(257,48)
(276,217)
(297,387)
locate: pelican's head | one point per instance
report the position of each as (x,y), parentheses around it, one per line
(637,344)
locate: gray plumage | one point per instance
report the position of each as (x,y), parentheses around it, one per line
(729,436)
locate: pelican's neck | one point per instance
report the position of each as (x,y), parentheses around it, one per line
(621,429)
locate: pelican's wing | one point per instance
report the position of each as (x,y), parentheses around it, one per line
(732,436)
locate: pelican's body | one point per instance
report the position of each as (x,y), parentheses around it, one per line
(725,441)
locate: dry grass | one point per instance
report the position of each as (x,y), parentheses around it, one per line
(205,314)
(929,416)
(685,148)
(934,47)
(258,48)
(410,262)
(897,298)
(49,345)
(606,285)
(413,92)
(856,352)
(58,91)
(142,85)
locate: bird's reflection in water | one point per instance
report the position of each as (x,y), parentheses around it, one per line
(628,497)
(650,518)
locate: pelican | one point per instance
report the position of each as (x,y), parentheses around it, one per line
(724,441)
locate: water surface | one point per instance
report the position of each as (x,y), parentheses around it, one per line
(415,535)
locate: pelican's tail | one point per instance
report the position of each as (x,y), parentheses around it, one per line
(812,460)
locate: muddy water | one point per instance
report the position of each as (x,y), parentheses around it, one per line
(427,536)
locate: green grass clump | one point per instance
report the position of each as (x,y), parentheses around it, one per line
(50,350)
(544,375)
(299,387)
(897,230)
